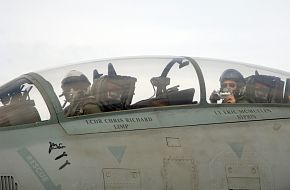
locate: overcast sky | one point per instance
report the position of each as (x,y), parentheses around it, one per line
(38,34)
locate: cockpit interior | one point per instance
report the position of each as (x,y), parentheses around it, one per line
(134,83)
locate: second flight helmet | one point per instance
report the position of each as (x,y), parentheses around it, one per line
(234,75)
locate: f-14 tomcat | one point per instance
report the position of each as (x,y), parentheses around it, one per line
(145,123)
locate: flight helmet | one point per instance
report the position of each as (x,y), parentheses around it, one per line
(75,83)
(234,75)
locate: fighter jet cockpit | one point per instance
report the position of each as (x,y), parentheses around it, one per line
(233,82)
(138,83)
(124,84)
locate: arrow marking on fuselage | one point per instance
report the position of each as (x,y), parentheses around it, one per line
(38,170)
(118,152)
(238,148)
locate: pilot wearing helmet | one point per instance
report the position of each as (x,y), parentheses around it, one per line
(76,90)
(232,85)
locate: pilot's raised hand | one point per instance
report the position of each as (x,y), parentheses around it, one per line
(230,99)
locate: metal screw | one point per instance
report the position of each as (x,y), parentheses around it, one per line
(134,175)
(254,170)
